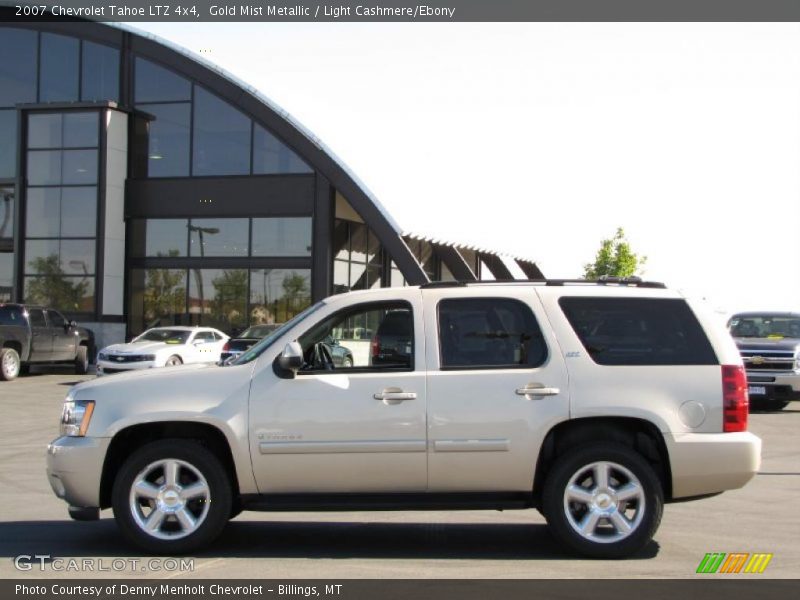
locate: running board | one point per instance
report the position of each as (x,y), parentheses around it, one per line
(399,501)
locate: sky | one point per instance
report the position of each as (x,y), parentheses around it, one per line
(541,139)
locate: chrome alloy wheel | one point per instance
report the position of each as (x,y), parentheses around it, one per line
(169,499)
(604,502)
(10,364)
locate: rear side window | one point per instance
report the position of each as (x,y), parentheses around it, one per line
(489,333)
(638,331)
(11,315)
(36,317)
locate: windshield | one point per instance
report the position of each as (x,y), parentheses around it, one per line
(258,331)
(265,343)
(765,326)
(168,336)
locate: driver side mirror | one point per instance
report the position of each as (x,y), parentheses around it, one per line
(292,357)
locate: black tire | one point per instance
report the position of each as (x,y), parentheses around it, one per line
(768,404)
(560,514)
(347,362)
(218,506)
(82,360)
(9,364)
(173,361)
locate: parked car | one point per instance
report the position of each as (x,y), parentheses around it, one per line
(32,335)
(248,338)
(513,396)
(162,347)
(770,346)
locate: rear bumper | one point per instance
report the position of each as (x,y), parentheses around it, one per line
(708,463)
(74,468)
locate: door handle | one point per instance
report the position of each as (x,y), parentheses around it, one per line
(394,395)
(537,389)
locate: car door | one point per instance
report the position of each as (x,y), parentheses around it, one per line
(329,429)
(41,338)
(64,338)
(496,384)
(201,348)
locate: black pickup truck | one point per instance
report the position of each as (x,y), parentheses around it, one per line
(35,335)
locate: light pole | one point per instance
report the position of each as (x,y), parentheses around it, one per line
(198,279)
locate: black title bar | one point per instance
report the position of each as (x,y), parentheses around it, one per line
(408,11)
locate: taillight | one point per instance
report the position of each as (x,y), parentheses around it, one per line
(375,346)
(735,403)
(226,347)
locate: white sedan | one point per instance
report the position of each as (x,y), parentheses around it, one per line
(163,347)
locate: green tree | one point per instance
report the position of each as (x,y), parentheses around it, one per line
(53,288)
(230,299)
(614,259)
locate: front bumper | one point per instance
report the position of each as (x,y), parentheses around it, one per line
(780,385)
(708,463)
(74,469)
(107,367)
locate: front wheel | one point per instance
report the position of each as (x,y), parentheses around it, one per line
(173,361)
(9,364)
(603,500)
(172,497)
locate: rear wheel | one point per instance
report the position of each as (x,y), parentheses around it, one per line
(9,364)
(82,360)
(173,361)
(172,497)
(603,500)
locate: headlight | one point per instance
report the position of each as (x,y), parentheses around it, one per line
(102,356)
(75,417)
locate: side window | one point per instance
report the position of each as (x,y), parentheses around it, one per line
(374,336)
(36,317)
(638,331)
(489,333)
(204,337)
(55,318)
(11,315)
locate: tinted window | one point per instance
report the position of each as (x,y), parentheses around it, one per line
(17,66)
(168,152)
(370,336)
(58,69)
(36,317)
(44,167)
(638,331)
(44,131)
(6,275)
(8,143)
(774,326)
(56,320)
(156,84)
(218,237)
(489,333)
(100,72)
(62,212)
(80,130)
(282,237)
(166,237)
(272,156)
(221,137)
(70,294)
(204,336)
(79,167)
(11,315)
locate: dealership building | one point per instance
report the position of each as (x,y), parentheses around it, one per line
(142,186)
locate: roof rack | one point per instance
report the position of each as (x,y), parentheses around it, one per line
(620,281)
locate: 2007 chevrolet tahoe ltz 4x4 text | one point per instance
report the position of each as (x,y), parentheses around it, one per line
(595,403)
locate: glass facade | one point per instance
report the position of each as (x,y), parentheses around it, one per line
(61,210)
(221,137)
(18,60)
(229,265)
(271,157)
(58,69)
(358,257)
(229,299)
